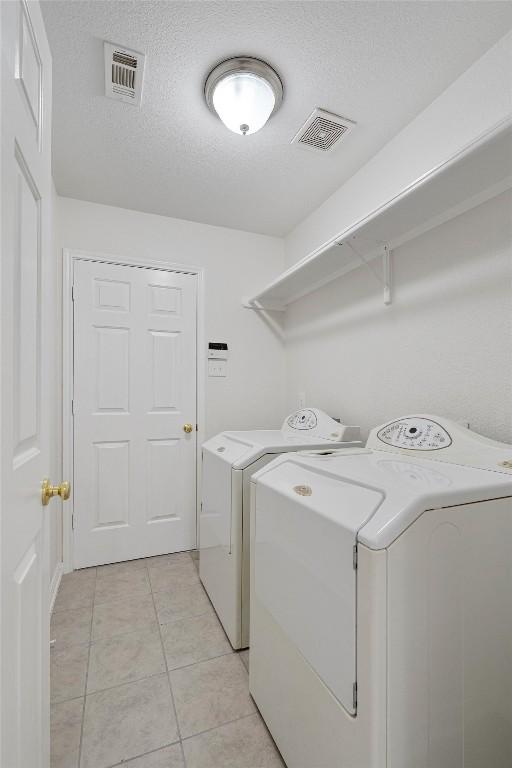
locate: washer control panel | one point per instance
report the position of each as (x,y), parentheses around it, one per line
(415,433)
(440,439)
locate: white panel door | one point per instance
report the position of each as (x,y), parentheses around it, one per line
(24,448)
(134,393)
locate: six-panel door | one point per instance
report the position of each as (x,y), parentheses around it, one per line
(134,392)
(25,264)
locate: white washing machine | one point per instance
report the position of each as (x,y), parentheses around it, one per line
(229,459)
(381,601)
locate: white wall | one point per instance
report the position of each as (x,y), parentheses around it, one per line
(476,102)
(444,346)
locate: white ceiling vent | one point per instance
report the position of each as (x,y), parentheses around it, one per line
(124,73)
(322,131)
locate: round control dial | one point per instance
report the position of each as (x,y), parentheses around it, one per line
(303,419)
(415,434)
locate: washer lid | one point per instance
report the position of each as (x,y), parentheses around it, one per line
(242,448)
(408,486)
(305,532)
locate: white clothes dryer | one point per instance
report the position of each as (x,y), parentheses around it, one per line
(381,601)
(229,460)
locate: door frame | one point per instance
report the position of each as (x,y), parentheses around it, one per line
(69,257)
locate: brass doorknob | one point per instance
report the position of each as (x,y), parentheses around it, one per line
(188,428)
(48,491)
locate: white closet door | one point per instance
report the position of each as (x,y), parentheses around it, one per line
(25,219)
(134,395)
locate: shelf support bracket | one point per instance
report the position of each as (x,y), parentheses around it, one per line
(267,307)
(386,274)
(385,279)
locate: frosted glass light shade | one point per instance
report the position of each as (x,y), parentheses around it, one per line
(243,92)
(244,102)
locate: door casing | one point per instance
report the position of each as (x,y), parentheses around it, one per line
(70,257)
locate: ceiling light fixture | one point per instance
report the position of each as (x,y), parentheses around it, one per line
(243,92)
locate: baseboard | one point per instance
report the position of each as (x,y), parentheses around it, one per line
(54,584)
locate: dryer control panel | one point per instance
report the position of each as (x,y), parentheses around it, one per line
(306,418)
(415,433)
(443,440)
(318,424)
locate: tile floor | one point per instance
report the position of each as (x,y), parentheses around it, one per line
(143,675)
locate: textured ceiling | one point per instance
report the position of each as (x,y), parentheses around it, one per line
(378,63)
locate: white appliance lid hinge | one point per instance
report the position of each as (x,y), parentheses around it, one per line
(354,695)
(354,557)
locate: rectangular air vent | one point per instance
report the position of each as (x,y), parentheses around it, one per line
(322,131)
(124,73)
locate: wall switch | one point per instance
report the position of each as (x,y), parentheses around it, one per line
(217,368)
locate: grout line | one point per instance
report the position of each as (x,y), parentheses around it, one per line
(167,671)
(120,685)
(86,676)
(221,725)
(201,661)
(144,754)
(169,679)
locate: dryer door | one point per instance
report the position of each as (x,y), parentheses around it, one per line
(305,532)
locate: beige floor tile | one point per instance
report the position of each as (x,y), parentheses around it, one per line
(121,585)
(170,757)
(79,577)
(175,576)
(68,669)
(123,567)
(245,743)
(244,657)
(119,616)
(188,641)
(123,658)
(71,627)
(127,721)
(181,603)
(210,694)
(76,590)
(66,724)
(171,559)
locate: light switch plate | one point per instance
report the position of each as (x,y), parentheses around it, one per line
(217,368)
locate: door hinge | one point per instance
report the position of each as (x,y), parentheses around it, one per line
(72,522)
(72,407)
(354,696)
(354,557)
(72,293)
